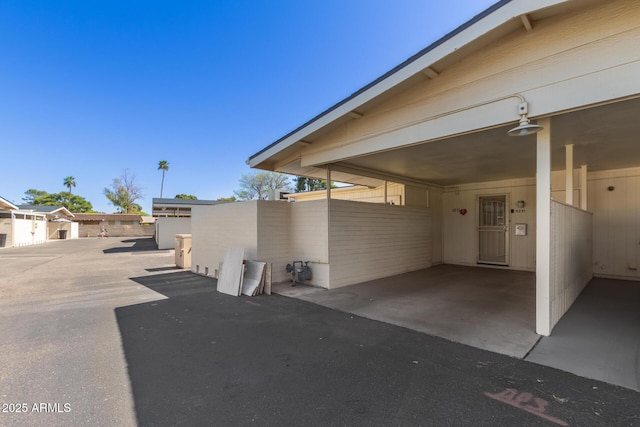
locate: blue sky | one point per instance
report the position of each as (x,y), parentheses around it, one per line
(91,88)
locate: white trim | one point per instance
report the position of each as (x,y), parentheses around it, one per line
(543,229)
(583,187)
(568,174)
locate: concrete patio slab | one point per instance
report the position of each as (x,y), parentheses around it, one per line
(486,308)
(599,337)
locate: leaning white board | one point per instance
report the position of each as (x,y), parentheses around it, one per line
(253,277)
(230,279)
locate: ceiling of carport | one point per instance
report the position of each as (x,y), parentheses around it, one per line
(604,137)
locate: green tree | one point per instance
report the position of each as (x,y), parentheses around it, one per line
(163,165)
(124,192)
(37,198)
(186,197)
(226,199)
(309,184)
(258,185)
(74,202)
(69,182)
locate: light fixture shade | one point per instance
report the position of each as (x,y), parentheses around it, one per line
(524,128)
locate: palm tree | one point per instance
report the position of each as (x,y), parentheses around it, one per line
(164,166)
(69,182)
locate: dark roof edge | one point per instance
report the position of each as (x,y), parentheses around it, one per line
(394,70)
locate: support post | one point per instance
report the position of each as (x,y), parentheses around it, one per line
(568,174)
(583,187)
(385,192)
(543,229)
(328,181)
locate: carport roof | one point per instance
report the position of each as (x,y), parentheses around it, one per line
(5,204)
(379,80)
(609,130)
(485,27)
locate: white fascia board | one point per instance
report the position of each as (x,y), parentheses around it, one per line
(511,10)
(5,204)
(62,210)
(567,95)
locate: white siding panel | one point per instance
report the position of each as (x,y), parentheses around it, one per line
(571,251)
(167,228)
(29,232)
(22,232)
(216,228)
(369,241)
(74,230)
(40,231)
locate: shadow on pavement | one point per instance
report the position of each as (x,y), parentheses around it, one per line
(180,283)
(139,245)
(204,358)
(153,270)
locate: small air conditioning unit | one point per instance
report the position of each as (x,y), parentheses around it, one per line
(279,194)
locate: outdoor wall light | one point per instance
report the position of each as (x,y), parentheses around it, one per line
(521,204)
(525,127)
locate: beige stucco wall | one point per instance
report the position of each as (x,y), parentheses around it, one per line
(167,228)
(357,242)
(70,227)
(371,241)
(7,228)
(395,194)
(271,231)
(274,237)
(218,227)
(360,241)
(310,238)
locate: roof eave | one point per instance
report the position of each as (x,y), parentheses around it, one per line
(448,44)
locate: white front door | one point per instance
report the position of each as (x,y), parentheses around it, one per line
(493,230)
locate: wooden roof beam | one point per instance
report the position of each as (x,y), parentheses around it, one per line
(527,22)
(430,72)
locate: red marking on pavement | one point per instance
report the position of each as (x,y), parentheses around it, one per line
(522,401)
(253,303)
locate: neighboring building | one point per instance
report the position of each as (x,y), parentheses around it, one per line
(562,202)
(59,223)
(20,228)
(173,216)
(113,225)
(390,193)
